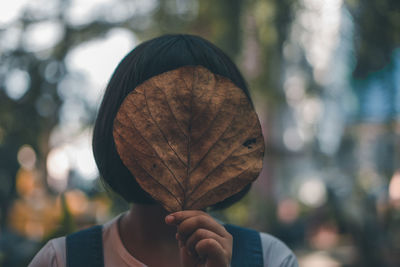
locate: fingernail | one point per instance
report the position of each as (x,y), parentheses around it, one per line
(169,219)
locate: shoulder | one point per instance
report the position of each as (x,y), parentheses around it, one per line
(52,254)
(250,242)
(276,253)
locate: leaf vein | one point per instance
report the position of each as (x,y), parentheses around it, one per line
(170,109)
(166,188)
(165,164)
(216,167)
(205,194)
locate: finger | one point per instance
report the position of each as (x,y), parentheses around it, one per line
(188,226)
(177,217)
(187,258)
(211,250)
(180,244)
(201,234)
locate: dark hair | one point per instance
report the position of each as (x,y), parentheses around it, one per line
(149,59)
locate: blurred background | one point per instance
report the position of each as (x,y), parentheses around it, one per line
(325,78)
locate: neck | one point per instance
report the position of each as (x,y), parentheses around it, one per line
(145,223)
(144,233)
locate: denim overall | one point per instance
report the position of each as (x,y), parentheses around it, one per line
(85,248)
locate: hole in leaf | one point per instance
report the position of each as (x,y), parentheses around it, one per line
(249,142)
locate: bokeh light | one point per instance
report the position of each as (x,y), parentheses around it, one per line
(27,157)
(394,189)
(58,164)
(17,83)
(43,35)
(312,192)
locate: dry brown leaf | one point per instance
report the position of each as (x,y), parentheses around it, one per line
(190,138)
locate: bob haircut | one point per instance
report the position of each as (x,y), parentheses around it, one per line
(150,58)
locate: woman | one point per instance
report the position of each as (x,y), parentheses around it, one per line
(147,235)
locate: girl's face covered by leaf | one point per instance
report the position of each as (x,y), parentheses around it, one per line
(190,138)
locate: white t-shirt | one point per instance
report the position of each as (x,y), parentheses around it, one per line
(275,253)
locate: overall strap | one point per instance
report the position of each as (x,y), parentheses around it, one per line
(85,248)
(247,248)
